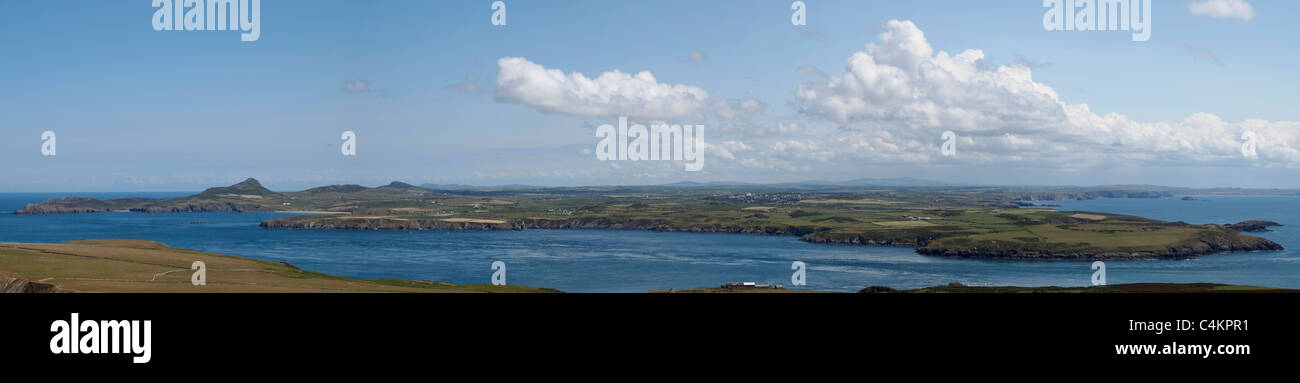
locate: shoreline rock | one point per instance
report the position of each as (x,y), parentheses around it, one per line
(1207,244)
(1253,226)
(10,283)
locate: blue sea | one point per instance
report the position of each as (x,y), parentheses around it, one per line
(636,261)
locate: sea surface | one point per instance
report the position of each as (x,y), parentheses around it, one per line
(636,261)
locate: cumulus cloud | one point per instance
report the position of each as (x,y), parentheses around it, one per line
(1224,9)
(902,81)
(889,107)
(896,97)
(613,93)
(726,149)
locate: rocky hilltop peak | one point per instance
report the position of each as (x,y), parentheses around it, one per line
(247,187)
(349,188)
(399,185)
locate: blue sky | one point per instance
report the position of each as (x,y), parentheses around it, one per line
(139,109)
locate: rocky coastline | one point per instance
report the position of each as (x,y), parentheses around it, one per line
(402,224)
(1253,226)
(1217,241)
(81,205)
(1220,240)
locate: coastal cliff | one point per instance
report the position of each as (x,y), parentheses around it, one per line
(405,224)
(246,196)
(77,205)
(1207,239)
(10,283)
(1213,239)
(1253,226)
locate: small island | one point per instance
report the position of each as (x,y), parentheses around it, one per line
(976,222)
(1253,226)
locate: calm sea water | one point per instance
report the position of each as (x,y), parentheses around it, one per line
(635,261)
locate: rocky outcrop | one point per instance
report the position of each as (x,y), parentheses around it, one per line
(247,187)
(1253,226)
(200,207)
(10,283)
(877,290)
(90,205)
(70,205)
(860,239)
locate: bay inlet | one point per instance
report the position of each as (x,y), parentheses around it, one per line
(637,261)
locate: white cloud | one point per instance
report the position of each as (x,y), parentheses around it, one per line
(1224,9)
(725,149)
(613,93)
(887,110)
(896,97)
(804,150)
(904,82)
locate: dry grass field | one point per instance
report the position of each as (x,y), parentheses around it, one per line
(132,266)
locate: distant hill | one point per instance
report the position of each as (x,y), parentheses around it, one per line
(476,187)
(336,189)
(890,182)
(247,187)
(399,185)
(860,182)
(249,195)
(246,196)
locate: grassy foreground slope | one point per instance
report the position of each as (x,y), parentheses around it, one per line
(133,266)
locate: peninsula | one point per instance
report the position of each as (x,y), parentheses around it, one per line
(980,222)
